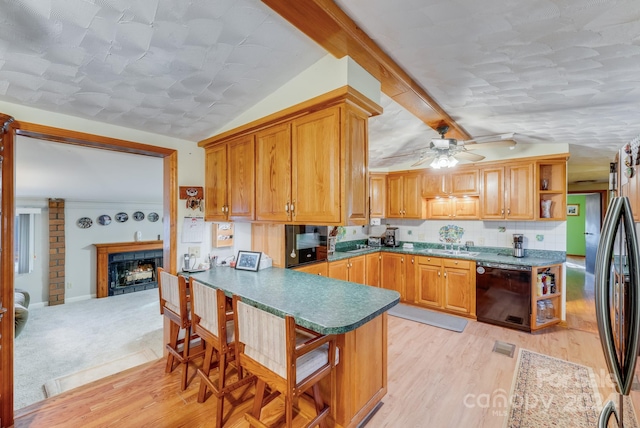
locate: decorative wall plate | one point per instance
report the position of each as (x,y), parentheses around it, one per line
(84,222)
(138,216)
(153,217)
(104,219)
(122,217)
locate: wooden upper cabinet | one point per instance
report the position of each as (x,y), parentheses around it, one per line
(508,192)
(463,182)
(395,195)
(273,173)
(492,200)
(404,199)
(216,183)
(316,167)
(355,194)
(457,182)
(241,182)
(414,206)
(520,192)
(228,163)
(433,184)
(377,195)
(309,164)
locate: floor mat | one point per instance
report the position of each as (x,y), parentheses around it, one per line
(425,316)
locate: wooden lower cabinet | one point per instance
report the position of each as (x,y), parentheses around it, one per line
(392,273)
(447,284)
(352,269)
(410,277)
(361,375)
(372,269)
(315,269)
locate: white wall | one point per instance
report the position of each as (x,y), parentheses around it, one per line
(80,257)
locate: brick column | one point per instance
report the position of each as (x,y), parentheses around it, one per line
(56,252)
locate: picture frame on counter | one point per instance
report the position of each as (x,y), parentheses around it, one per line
(248,260)
(573,209)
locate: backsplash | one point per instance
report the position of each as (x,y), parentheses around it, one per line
(547,235)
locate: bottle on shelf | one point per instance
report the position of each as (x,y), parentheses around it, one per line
(540,312)
(549,309)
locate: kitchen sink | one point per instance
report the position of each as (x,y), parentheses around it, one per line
(449,252)
(358,250)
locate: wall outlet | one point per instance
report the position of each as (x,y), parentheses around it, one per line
(194,251)
(68,285)
(375,222)
(481,241)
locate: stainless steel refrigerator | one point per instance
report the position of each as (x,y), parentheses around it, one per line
(617,298)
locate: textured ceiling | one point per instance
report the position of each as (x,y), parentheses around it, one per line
(562,71)
(171,67)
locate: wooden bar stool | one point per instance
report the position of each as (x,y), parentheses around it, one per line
(286,357)
(214,324)
(183,346)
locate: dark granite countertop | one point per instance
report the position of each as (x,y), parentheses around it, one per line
(478,254)
(324,305)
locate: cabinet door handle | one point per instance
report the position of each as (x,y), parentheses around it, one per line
(502,211)
(401,259)
(292,208)
(286,207)
(438,273)
(509,211)
(445,274)
(412,260)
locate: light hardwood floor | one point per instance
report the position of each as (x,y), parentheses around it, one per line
(437,378)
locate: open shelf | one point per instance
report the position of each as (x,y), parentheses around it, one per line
(556,298)
(552,186)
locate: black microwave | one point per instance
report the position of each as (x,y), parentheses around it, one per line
(305,244)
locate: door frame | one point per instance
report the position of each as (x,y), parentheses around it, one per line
(59,135)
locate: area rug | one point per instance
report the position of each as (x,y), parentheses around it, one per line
(83,377)
(425,316)
(549,392)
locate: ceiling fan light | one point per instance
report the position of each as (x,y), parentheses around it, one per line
(443,161)
(452,162)
(434,164)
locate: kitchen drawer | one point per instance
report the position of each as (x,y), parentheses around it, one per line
(455,263)
(428,260)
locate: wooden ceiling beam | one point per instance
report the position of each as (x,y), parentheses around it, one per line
(329,26)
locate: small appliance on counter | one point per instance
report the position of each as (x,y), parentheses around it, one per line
(376,241)
(392,237)
(518,242)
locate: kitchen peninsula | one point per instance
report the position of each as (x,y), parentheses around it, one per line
(355,313)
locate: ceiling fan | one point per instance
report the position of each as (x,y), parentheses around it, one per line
(446,152)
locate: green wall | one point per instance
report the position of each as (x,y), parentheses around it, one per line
(575,227)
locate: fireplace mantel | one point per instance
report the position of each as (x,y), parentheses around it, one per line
(102,260)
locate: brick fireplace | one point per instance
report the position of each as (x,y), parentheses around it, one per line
(126,267)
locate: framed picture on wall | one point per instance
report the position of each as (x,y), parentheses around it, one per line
(573,209)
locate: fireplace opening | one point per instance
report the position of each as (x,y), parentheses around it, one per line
(133,271)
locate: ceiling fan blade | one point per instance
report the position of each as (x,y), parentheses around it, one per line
(469,156)
(490,145)
(423,160)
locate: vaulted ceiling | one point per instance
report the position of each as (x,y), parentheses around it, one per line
(550,71)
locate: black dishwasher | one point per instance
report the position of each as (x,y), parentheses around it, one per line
(503,295)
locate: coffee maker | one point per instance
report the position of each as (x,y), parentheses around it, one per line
(392,237)
(518,242)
